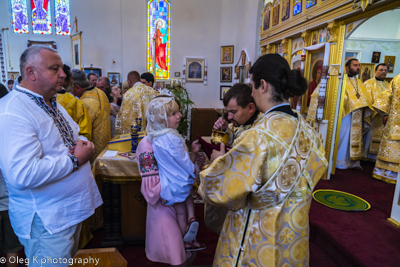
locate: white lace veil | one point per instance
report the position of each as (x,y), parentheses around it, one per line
(157,122)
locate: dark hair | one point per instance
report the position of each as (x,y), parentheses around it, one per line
(106,80)
(133,76)
(19,79)
(108,93)
(10,81)
(241,92)
(67,71)
(79,78)
(148,77)
(90,74)
(3,90)
(274,69)
(380,64)
(348,63)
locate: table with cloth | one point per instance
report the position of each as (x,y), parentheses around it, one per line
(124,208)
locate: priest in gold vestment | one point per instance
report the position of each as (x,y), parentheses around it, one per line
(375,87)
(267,178)
(134,104)
(75,108)
(98,106)
(242,114)
(356,119)
(388,159)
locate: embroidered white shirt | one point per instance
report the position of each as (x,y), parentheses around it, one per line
(38,170)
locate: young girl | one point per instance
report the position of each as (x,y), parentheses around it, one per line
(167,179)
(113,94)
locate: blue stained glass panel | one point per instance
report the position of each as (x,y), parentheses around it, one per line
(41,16)
(62,17)
(19,16)
(310,3)
(296,7)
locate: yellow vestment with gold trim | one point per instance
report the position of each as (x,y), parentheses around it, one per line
(214,216)
(98,106)
(134,104)
(388,159)
(358,102)
(375,87)
(266,181)
(78,112)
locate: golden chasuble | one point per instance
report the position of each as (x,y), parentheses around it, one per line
(78,112)
(98,106)
(134,104)
(214,216)
(356,97)
(375,87)
(266,181)
(357,101)
(389,150)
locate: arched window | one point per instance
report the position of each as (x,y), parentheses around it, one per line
(41,16)
(19,16)
(158,37)
(62,17)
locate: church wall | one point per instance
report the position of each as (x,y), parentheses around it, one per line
(116,30)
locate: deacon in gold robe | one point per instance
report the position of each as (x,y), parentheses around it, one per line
(356,119)
(75,108)
(243,114)
(134,104)
(266,179)
(98,106)
(375,87)
(388,159)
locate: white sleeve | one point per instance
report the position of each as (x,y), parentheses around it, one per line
(22,160)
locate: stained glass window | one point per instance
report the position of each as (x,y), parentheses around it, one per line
(296,7)
(19,16)
(310,3)
(158,37)
(41,16)
(62,17)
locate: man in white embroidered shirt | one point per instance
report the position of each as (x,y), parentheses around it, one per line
(45,162)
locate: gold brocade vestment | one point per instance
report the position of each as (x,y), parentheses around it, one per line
(78,112)
(98,106)
(266,181)
(214,216)
(358,102)
(388,159)
(134,104)
(375,87)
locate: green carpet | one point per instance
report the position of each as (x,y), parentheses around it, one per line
(341,200)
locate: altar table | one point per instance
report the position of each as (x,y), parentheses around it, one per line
(124,208)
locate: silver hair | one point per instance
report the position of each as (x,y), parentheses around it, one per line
(30,57)
(80,78)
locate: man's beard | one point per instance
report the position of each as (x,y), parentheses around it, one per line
(352,73)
